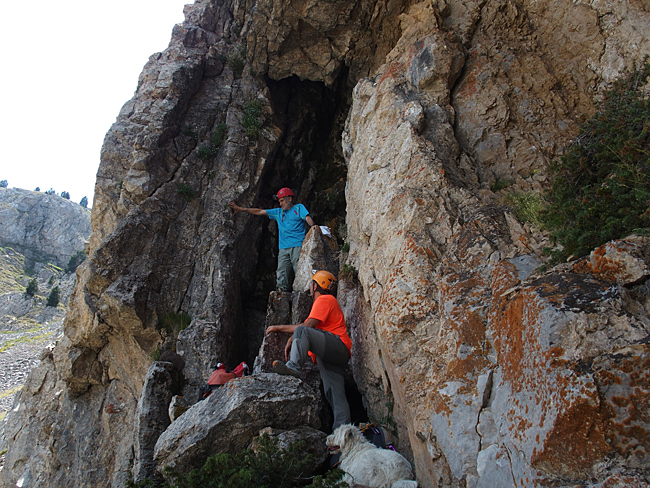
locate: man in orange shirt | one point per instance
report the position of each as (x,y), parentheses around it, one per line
(322,336)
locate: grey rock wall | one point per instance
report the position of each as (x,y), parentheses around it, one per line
(44,227)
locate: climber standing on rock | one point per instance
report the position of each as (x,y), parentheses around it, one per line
(291,220)
(324,337)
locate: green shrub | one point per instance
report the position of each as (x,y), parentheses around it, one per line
(250,121)
(236,62)
(601,187)
(4,183)
(84,202)
(189,132)
(32,287)
(218,135)
(501,184)
(75,260)
(54,297)
(65,194)
(155,354)
(186,191)
(204,152)
(348,271)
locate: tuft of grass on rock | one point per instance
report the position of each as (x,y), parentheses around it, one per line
(527,206)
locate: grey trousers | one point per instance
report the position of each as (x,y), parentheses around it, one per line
(287,267)
(332,356)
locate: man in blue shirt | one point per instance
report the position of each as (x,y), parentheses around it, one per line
(291,220)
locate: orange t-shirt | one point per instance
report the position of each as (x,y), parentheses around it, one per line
(327,310)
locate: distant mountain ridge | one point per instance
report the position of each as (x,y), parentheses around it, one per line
(44,227)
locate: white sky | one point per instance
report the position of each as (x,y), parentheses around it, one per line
(67,69)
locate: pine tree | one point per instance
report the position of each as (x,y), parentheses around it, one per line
(32,287)
(53,297)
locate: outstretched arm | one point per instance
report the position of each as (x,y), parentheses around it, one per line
(253,211)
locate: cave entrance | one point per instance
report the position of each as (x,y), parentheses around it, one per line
(309,160)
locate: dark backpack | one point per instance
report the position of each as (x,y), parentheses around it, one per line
(377,435)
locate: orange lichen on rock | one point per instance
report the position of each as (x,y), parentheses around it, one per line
(626,403)
(611,262)
(576,442)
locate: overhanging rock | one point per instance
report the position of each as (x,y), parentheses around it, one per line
(229,419)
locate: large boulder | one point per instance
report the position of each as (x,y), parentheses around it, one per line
(229,419)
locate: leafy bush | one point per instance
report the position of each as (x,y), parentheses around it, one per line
(501,184)
(218,135)
(75,260)
(4,184)
(601,187)
(54,297)
(32,287)
(65,194)
(186,191)
(50,192)
(84,202)
(250,121)
(267,466)
(348,271)
(189,132)
(236,62)
(204,152)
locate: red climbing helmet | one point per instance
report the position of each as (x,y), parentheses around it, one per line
(284,192)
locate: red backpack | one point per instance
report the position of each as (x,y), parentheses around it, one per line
(220,377)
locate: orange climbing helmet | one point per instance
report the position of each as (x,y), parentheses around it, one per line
(324,279)
(284,192)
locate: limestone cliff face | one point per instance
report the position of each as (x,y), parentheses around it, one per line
(46,227)
(495,374)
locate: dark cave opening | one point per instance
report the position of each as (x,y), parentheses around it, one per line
(309,160)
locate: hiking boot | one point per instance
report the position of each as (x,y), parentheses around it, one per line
(280,368)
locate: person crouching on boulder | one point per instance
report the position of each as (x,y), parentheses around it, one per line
(324,337)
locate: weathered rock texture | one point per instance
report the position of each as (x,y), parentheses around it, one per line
(494,374)
(229,419)
(44,227)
